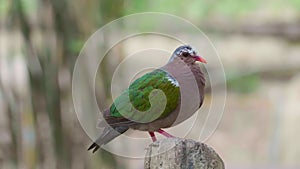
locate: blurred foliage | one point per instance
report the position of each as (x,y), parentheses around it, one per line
(243,83)
(198,9)
(235,8)
(4,7)
(30,6)
(76,45)
(295,3)
(201,9)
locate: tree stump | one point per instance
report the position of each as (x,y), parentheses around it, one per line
(177,153)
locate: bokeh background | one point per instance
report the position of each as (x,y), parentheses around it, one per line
(258,42)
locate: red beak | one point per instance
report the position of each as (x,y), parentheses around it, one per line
(200,59)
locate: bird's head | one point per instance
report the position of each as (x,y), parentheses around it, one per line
(187,54)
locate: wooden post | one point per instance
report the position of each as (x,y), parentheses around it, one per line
(177,153)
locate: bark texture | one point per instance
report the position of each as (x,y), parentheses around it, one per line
(177,153)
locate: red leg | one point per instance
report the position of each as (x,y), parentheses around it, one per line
(164,133)
(152,136)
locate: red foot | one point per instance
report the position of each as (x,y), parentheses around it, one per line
(164,133)
(152,136)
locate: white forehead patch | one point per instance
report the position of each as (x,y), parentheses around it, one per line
(191,51)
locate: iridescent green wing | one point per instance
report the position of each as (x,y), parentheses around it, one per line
(139,91)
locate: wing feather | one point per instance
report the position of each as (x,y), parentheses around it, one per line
(138,93)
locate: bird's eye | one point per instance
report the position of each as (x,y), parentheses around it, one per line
(185,54)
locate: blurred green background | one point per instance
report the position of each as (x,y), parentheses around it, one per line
(258,42)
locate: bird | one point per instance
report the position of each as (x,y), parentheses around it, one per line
(138,107)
